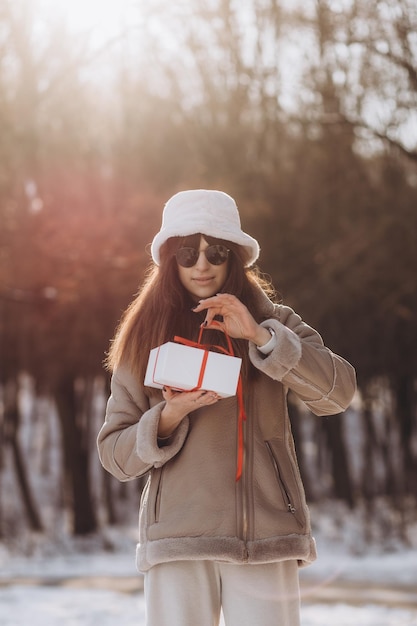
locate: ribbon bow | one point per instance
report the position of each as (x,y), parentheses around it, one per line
(239,392)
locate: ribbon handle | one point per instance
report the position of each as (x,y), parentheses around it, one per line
(199,344)
(239,392)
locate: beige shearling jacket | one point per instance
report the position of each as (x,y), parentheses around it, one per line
(192,507)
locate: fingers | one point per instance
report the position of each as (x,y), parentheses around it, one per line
(237,321)
(210,322)
(222,304)
(205,398)
(168,393)
(191,399)
(212,308)
(217,303)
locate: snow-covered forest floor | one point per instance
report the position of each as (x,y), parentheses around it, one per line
(91,581)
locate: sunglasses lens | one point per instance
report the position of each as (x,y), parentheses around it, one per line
(187,257)
(217,254)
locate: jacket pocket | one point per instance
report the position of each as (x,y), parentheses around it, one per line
(292,504)
(143,511)
(154,499)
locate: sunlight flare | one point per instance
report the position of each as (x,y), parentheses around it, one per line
(101,18)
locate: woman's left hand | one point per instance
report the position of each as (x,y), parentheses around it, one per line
(237,320)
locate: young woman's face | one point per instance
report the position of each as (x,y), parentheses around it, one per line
(203,279)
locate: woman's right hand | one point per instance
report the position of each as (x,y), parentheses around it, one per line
(179,404)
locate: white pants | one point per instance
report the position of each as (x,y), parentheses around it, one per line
(192,593)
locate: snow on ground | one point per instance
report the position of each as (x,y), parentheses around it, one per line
(85,589)
(45,606)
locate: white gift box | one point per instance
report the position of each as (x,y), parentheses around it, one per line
(185,368)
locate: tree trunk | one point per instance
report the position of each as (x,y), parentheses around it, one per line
(25,490)
(340,466)
(406,404)
(78,495)
(12,421)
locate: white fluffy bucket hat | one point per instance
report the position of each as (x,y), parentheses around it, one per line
(209,212)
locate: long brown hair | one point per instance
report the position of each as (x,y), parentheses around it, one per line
(163,308)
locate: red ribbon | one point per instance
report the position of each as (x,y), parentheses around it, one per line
(239,392)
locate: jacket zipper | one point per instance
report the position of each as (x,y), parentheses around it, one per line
(284,489)
(244,494)
(244,486)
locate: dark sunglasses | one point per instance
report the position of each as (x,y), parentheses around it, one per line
(216,254)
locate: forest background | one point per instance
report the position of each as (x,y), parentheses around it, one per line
(306,113)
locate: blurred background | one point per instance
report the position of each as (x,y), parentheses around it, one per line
(306,113)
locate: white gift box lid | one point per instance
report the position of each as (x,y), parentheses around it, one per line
(180,366)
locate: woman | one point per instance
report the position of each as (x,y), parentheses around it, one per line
(223,518)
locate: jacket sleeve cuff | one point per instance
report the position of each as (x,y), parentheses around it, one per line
(147,446)
(285,355)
